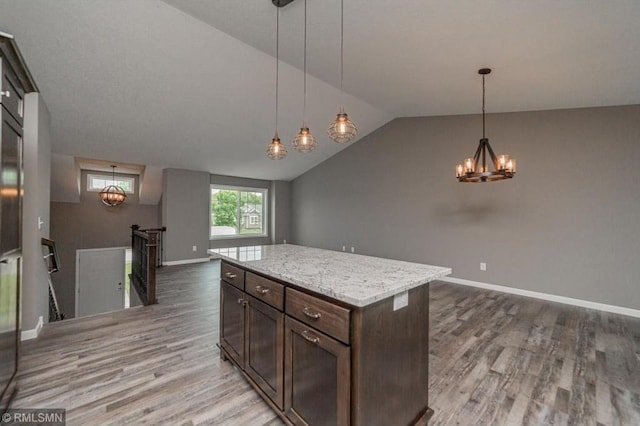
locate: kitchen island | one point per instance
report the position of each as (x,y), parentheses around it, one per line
(328,338)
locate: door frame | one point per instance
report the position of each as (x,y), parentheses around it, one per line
(75,295)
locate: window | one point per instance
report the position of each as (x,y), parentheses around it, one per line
(238,212)
(95,183)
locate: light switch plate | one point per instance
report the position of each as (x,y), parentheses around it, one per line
(400,300)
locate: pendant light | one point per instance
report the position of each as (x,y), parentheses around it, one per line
(276,150)
(305,141)
(474,171)
(112,195)
(342,129)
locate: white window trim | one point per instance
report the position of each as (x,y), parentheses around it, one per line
(109,179)
(265,218)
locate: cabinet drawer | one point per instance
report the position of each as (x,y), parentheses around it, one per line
(265,290)
(232,275)
(12,94)
(319,314)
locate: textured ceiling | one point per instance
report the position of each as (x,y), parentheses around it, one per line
(420,57)
(142,82)
(190,83)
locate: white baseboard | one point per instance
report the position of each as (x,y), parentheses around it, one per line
(34,332)
(185,262)
(544,296)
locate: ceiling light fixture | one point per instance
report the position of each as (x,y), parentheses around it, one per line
(276,150)
(342,129)
(112,195)
(472,171)
(305,141)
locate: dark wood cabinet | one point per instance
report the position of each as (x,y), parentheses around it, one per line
(232,317)
(10,183)
(264,339)
(317,377)
(319,361)
(15,82)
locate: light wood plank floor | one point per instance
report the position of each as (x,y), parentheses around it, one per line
(494,359)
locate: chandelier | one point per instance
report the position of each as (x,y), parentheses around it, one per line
(112,195)
(475,169)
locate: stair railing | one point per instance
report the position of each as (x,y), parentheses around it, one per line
(146,257)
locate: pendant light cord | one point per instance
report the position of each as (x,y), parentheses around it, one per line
(483,136)
(277,60)
(342,49)
(304,102)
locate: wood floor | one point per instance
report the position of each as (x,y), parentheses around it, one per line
(495,359)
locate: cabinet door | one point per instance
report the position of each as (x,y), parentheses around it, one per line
(317,377)
(12,94)
(232,303)
(264,341)
(10,184)
(9,327)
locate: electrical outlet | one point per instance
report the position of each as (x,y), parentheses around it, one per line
(284,241)
(344,248)
(483,266)
(353,249)
(195,248)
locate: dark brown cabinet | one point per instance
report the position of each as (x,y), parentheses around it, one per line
(252,331)
(264,340)
(10,184)
(15,81)
(319,361)
(317,377)
(232,321)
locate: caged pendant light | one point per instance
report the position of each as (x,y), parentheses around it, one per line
(342,129)
(305,141)
(112,195)
(472,170)
(276,150)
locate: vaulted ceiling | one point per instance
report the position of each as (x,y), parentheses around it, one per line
(190,83)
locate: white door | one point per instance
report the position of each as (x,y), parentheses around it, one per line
(99,280)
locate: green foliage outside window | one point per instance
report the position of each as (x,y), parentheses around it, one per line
(224,208)
(236,212)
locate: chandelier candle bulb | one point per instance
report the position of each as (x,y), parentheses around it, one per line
(459,170)
(503,160)
(468,165)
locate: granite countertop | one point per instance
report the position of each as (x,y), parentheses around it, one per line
(351,278)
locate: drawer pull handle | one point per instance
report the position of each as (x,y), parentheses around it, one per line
(262,290)
(309,337)
(314,315)
(6,94)
(230,275)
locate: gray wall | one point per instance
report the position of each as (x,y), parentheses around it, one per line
(185,212)
(280,219)
(37,178)
(91,224)
(567,224)
(185,203)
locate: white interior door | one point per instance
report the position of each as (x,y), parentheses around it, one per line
(99,280)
